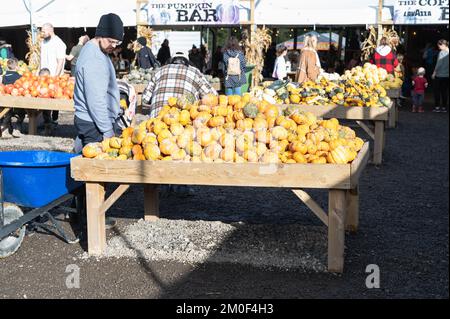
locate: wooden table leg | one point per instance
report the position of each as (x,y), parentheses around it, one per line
(378,143)
(151,202)
(352,220)
(95,196)
(32,122)
(392,111)
(336,229)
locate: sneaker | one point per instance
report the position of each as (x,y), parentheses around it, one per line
(16,133)
(443,110)
(421,110)
(437,109)
(4,133)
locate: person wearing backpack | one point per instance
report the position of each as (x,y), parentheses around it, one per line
(234,67)
(146,59)
(6,50)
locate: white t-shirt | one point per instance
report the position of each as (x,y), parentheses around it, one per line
(280,70)
(51,51)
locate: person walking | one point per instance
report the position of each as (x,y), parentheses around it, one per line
(309,66)
(440,77)
(6,51)
(280,70)
(53,57)
(145,57)
(420,84)
(164,53)
(234,67)
(75,52)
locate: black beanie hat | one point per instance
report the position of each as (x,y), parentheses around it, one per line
(142,41)
(110,26)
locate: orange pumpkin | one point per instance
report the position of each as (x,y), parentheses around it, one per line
(210,100)
(271,111)
(91,150)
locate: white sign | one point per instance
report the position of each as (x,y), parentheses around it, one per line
(421,12)
(195,12)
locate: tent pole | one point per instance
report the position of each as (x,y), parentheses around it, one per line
(380,19)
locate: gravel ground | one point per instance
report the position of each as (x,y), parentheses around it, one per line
(227,242)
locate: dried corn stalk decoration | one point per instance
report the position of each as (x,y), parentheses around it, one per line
(255,49)
(142,31)
(33,56)
(370,43)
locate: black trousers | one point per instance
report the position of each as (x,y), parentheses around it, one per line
(50,115)
(88,132)
(18,113)
(441,92)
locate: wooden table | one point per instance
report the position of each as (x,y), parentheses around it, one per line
(33,106)
(139,88)
(340,180)
(394,95)
(376,115)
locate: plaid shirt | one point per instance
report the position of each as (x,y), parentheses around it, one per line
(388,62)
(174,80)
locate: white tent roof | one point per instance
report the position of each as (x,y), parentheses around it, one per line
(86,13)
(63,13)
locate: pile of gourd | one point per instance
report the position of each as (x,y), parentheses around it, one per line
(357,87)
(231,129)
(139,76)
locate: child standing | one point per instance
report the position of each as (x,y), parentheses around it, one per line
(7,129)
(420,83)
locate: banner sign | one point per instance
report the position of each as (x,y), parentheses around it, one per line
(421,12)
(195,12)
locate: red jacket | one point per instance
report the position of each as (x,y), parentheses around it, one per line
(420,84)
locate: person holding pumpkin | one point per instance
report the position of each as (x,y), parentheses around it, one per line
(96,95)
(309,66)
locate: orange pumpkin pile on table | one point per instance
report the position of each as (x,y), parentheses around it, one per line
(29,85)
(232,129)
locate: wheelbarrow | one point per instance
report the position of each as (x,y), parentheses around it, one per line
(39,180)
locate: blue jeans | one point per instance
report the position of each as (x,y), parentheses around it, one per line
(418,99)
(233,91)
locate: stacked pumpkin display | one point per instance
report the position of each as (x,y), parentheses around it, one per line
(359,86)
(231,129)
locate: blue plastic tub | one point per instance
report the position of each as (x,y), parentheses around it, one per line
(36,178)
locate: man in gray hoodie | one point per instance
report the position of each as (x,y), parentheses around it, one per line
(96,94)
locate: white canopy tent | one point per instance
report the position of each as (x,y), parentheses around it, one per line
(65,14)
(86,13)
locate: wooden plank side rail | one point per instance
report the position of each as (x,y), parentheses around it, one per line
(340,180)
(380,115)
(345,112)
(36,103)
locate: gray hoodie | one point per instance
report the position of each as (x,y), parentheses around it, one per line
(96,95)
(441,68)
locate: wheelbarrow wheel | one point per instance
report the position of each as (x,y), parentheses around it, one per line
(10,244)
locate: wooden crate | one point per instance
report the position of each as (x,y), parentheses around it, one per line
(394,94)
(378,115)
(341,181)
(139,88)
